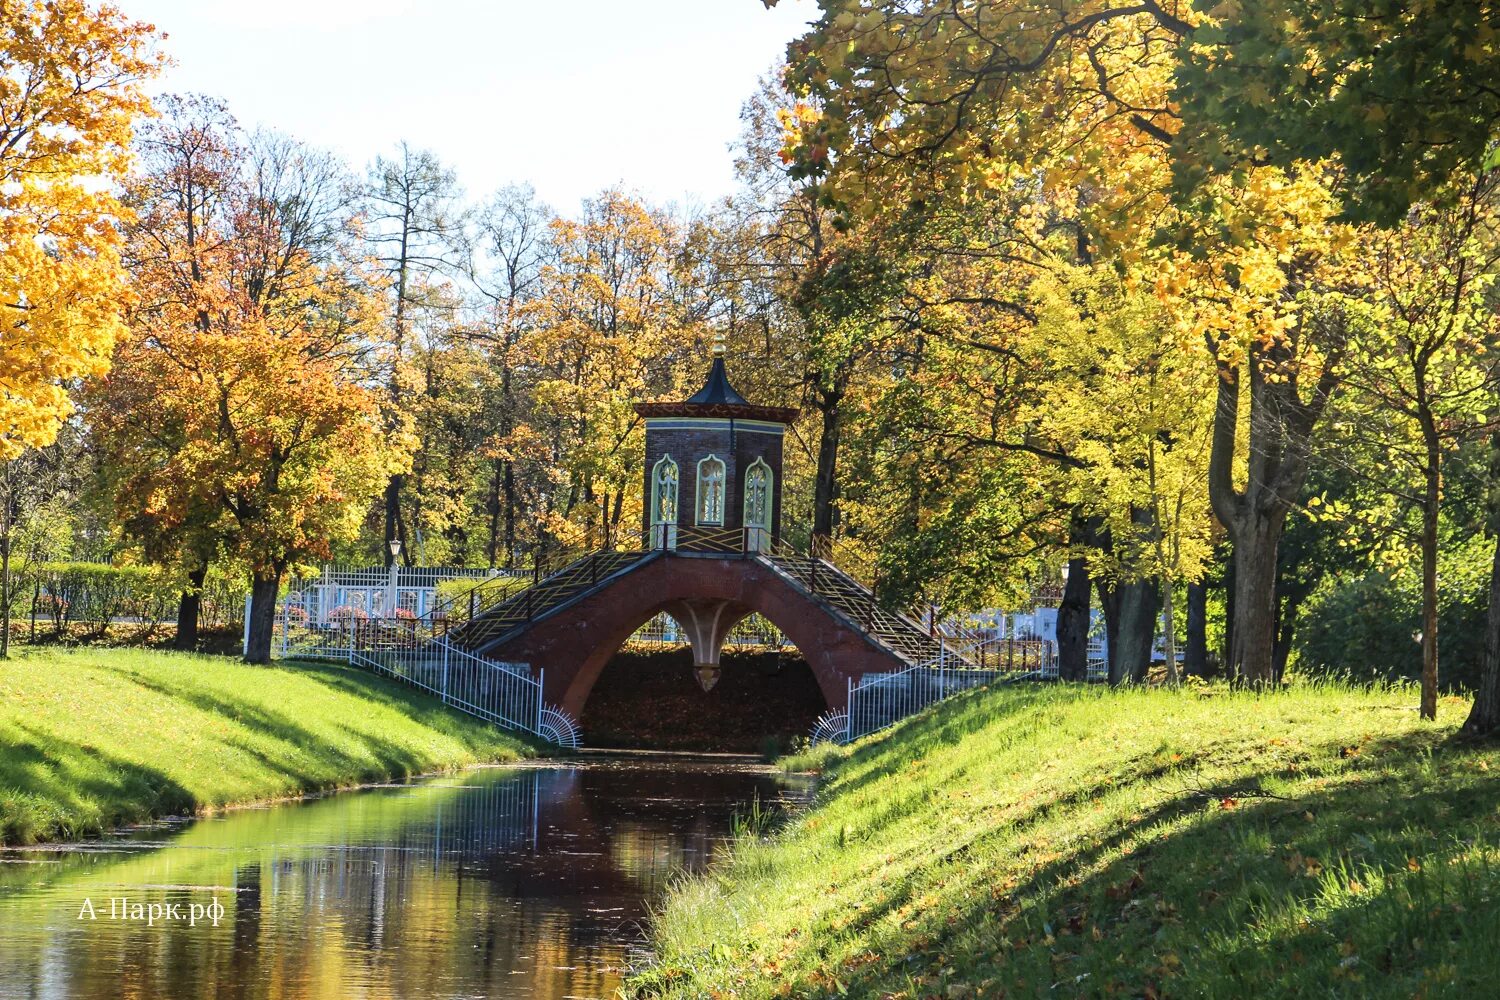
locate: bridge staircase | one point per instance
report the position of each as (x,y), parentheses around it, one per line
(941,662)
(896,631)
(487,614)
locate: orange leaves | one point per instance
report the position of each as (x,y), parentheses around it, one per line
(238,418)
(1303,867)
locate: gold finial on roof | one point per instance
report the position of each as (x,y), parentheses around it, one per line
(719,344)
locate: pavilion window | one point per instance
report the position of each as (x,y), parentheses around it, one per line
(758,495)
(664,491)
(711,491)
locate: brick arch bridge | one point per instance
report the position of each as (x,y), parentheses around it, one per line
(711,480)
(572,632)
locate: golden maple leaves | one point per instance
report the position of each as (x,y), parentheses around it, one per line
(70,87)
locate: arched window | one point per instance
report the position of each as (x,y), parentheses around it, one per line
(711,491)
(758,480)
(664,491)
(758,495)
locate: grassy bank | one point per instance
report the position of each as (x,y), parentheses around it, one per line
(90,739)
(1066,842)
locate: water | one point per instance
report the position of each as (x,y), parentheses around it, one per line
(495,882)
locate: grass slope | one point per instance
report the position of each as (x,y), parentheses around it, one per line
(90,739)
(1062,841)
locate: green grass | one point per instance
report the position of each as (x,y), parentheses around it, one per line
(1059,841)
(91,739)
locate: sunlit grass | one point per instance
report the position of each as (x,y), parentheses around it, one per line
(1065,841)
(90,739)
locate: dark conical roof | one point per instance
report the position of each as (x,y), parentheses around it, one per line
(717,389)
(718,398)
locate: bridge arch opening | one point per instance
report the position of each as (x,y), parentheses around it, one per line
(655,691)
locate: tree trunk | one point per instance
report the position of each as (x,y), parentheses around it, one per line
(1195,655)
(5,588)
(189,604)
(1169,632)
(1484,717)
(1109,604)
(264,589)
(1229,586)
(1073,613)
(395,524)
(825,492)
(492,548)
(1140,605)
(1280,441)
(1286,627)
(1431,498)
(1073,623)
(1252,650)
(7,512)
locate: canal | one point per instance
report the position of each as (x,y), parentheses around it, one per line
(532,881)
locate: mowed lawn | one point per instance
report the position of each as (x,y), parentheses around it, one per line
(1061,841)
(90,739)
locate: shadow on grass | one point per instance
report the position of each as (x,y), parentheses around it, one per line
(51,788)
(357,754)
(1217,889)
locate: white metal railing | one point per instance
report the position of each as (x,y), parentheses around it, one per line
(881,700)
(352,593)
(877,701)
(405,649)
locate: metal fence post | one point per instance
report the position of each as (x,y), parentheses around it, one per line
(541,679)
(245,645)
(849,709)
(445,672)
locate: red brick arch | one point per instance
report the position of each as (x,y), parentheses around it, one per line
(573,645)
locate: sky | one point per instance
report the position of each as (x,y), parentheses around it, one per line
(570,96)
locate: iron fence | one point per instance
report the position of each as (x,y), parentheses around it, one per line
(503,693)
(882,700)
(413,649)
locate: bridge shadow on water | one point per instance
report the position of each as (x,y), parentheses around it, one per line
(650,699)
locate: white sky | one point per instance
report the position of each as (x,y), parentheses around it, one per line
(569,96)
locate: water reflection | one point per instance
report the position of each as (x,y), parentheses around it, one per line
(528,882)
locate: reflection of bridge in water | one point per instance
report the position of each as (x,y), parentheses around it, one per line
(507,882)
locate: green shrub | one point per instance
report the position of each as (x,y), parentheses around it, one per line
(1363,626)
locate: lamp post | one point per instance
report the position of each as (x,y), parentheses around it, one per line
(390,587)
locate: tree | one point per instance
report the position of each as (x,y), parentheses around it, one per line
(931,104)
(414,229)
(40,495)
(181,204)
(833,284)
(236,414)
(70,88)
(1130,404)
(513,246)
(1434,282)
(285,445)
(609,333)
(1484,717)
(1404,96)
